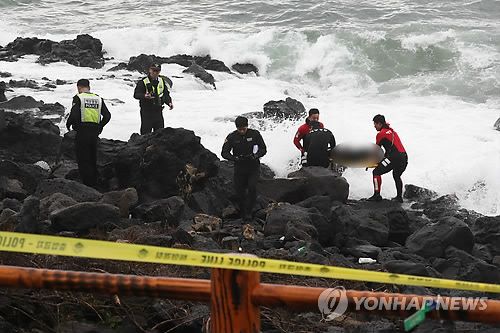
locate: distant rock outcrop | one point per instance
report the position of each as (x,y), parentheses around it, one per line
(200,73)
(245,68)
(83,51)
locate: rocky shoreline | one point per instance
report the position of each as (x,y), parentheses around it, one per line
(152,191)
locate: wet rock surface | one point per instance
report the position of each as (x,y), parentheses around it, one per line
(200,73)
(83,51)
(141,62)
(152,191)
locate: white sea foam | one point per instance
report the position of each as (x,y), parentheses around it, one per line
(412,42)
(451,145)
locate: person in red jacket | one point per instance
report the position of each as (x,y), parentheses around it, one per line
(395,158)
(304,129)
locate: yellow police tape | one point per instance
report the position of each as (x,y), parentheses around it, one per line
(76,247)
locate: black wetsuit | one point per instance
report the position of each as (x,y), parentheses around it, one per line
(318,143)
(395,159)
(151,109)
(86,139)
(246,166)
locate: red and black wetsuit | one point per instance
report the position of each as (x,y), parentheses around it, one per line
(301,133)
(395,159)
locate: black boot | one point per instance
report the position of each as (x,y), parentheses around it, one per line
(398,199)
(375,197)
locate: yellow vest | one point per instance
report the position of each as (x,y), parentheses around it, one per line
(91,106)
(160,88)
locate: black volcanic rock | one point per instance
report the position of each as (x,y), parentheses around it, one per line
(12,188)
(211,64)
(29,216)
(3,123)
(399,226)
(107,150)
(406,267)
(27,139)
(50,109)
(295,222)
(21,103)
(278,219)
(24,84)
(167,211)
(125,200)
(284,109)
(487,231)
(433,239)
(23,46)
(9,203)
(312,181)
(84,51)
(18,180)
(323,203)
(216,193)
(413,192)
(200,73)
(39,108)
(75,190)
(141,62)
(83,216)
(54,202)
(177,178)
(2,91)
(446,205)
(120,66)
(245,68)
(153,163)
(461,265)
(364,225)
(184,60)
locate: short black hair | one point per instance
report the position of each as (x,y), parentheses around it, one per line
(83,83)
(241,122)
(379,119)
(313,111)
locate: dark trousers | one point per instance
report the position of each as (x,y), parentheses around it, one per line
(151,120)
(315,160)
(245,186)
(397,164)
(86,155)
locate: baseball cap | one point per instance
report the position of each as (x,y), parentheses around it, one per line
(155,66)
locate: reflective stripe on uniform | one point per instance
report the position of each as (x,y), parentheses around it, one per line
(90,108)
(161,86)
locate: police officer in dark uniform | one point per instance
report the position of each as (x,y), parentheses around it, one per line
(245,146)
(152,93)
(318,144)
(88,117)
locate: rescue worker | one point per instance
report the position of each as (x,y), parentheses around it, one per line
(88,117)
(152,93)
(304,129)
(395,158)
(245,147)
(318,145)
